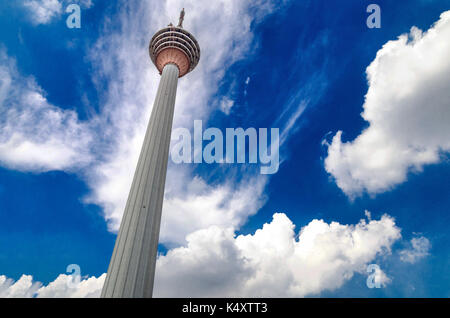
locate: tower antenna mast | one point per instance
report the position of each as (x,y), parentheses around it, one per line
(180,22)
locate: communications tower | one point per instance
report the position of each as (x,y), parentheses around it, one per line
(175,52)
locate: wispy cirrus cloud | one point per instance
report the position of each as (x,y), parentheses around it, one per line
(105,148)
(34,134)
(131,91)
(43,11)
(419,248)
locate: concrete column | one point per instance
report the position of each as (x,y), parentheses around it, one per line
(132,268)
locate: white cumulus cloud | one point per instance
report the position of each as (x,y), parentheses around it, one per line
(274,261)
(407,108)
(62,287)
(22,288)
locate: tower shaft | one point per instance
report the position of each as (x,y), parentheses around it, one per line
(132,267)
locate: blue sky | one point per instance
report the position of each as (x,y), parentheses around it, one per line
(75,103)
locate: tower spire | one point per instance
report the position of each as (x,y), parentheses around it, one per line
(180,23)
